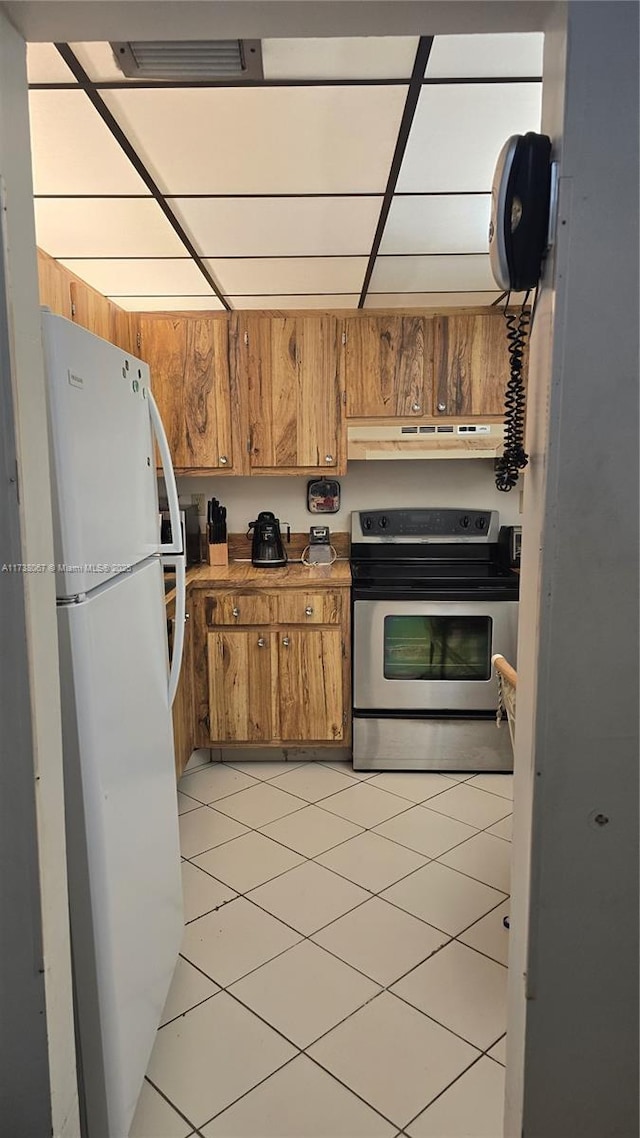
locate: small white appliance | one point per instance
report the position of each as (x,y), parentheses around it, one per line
(120,795)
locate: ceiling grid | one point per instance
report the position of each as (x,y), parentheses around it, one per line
(356,173)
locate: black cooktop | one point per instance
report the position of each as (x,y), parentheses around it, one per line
(429,555)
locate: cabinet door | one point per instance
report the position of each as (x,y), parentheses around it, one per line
(90,309)
(310,669)
(240,685)
(123,329)
(290,367)
(471,365)
(388,366)
(54,281)
(188,358)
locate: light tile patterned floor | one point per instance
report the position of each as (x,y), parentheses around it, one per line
(343,968)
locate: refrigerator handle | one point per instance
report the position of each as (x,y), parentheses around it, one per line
(174,546)
(178,638)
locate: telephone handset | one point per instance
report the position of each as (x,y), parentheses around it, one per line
(520,211)
(518,238)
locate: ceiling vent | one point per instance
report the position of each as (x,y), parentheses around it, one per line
(190,60)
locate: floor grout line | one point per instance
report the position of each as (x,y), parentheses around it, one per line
(444,1089)
(171,1104)
(199,1004)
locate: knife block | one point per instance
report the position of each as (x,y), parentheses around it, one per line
(218,554)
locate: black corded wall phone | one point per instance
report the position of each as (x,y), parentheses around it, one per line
(518,238)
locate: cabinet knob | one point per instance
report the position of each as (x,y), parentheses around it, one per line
(308,611)
(235,612)
(187,615)
(328,458)
(416,407)
(223,460)
(285,642)
(262,642)
(442,406)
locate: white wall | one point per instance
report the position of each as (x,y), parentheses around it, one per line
(366,485)
(56,20)
(39,588)
(573,967)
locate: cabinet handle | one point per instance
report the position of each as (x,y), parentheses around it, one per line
(223,460)
(262,642)
(442,406)
(416,407)
(285,642)
(328,458)
(308,611)
(235,612)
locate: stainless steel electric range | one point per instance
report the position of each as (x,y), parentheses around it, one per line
(431,604)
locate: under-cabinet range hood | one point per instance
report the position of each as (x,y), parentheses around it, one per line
(424,440)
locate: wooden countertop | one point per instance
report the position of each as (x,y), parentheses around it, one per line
(242,574)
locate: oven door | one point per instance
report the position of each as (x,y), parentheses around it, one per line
(430,655)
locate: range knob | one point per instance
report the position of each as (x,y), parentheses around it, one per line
(464,521)
(383,522)
(480,523)
(366,524)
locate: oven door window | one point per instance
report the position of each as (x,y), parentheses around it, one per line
(437,647)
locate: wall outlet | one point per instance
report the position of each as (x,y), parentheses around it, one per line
(521,502)
(199,501)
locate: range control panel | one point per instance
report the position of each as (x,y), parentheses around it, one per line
(425,524)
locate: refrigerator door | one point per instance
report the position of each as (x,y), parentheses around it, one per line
(122,835)
(105,492)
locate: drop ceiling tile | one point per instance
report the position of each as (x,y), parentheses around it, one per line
(161,277)
(104,227)
(168,303)
(429,299)
(446,223)
(355,57)
(264,140)
(46,65)
(73,151)
(253,275)
(458,132)
(263,227)
(486,55)
(97,60)
(432,274)
(296,303)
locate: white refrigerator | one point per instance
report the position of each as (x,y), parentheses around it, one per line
(117,688)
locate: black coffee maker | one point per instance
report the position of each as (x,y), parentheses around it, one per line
(267,550)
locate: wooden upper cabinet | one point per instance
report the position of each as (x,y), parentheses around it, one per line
(288,366)
(189,362)
(388,366)
(90,309)
(67,295)
(123,328)
(471,365)
(54,285)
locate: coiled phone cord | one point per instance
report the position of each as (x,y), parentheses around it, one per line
(514,458)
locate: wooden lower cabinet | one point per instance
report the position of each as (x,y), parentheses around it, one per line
(310,688)
(283,679)
(240,685)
